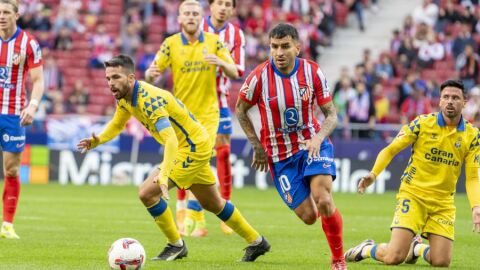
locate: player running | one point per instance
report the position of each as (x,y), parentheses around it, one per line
(186,163)
(298,152)
(441,143)
(20,54)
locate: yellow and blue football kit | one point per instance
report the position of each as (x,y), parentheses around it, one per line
(194,79)
(188,149)
(159,111)
(425,202)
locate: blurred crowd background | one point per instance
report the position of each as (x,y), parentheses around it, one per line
(440,39)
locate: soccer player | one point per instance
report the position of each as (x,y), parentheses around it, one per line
(194,56)
(298,152)
(441,143)
(19,54)
(186,163)
(233,38)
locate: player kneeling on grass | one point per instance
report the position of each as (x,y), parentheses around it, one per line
(441,143)
(186,157)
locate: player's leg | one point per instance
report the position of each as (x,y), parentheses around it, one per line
(224,168)
(149,193)
(439,253)
(11,192)
(181,208)
(210,199)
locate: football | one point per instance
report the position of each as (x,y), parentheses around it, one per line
(126,254)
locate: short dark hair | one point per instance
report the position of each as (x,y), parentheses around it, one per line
(13,3)
(234,2)
(453,83)
(123,61)
(284,30)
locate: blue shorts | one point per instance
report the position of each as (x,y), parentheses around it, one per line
(225,126)
(291,175)
(12,134)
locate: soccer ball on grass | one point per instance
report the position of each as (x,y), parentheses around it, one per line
(126,254)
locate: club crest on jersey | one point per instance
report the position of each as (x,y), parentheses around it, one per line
(305,92)
(288,197)
(16,59)
(458,143)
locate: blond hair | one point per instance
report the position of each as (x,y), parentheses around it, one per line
(190,2)
(13,3)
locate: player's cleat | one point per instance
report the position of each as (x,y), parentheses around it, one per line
(188,226)
(339,264)
(180,218)
(200,229)
(411,258)
(225,229)
(355,254)
(8,232)
(253,252)
(171,253)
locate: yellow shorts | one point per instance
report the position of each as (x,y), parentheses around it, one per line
(193,167)
(424,215)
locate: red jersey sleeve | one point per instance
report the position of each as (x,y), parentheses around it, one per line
(251,88)
(322,92)
(34,53)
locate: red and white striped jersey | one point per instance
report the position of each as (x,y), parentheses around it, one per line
(286,104)
(17,55)
(234,39)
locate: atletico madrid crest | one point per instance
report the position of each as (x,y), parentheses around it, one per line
(305,92)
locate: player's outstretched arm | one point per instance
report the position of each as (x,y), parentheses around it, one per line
(260,159)
(26,116)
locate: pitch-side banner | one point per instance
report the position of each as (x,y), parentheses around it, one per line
(104,168)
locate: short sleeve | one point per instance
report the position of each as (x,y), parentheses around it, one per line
(321,89)
(34,54)
(472,160)
(251,89)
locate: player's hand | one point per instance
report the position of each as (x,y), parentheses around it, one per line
(152,72)
(26,116)
(214,60)
(163,184)
(260,159)
(86,144)
(312,146)
(365,182)
(476,219)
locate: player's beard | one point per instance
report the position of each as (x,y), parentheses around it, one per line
(191,29)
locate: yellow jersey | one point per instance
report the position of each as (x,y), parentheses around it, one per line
(157,109)
(194,79)
(438,153)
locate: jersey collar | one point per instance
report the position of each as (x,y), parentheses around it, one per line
(297,63)
(441,122)
(135,94)
(201,38)
(209,22)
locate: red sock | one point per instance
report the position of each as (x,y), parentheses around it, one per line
(11,192)
(224,171)
(181,194)
(332,226)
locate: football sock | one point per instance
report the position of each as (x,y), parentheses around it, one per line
(332,226)
(195,211)
(370,251)
(164,219)
(422,251)
(234,219)
(224,171)
(11,192)
(181,194)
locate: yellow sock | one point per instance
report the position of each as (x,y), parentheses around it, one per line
(234,219)
(422,251)
(164,219)
(366,252)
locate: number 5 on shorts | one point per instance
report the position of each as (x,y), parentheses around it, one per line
(405,206)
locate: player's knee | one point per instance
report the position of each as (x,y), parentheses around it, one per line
(324,205)
(440,262)
(213,206)
(11,171)
(308,218)
(144,195)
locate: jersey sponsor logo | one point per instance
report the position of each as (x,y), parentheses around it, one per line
(305,92)
(326,165)
(445,222)
(4,71)
(293,129)
(227,126)
(20,145)
(319,159)
(194,66)
(441,156)
(291,116)
(7,138)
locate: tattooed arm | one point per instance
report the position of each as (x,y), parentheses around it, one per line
(260,160)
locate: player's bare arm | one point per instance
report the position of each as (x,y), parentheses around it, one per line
(229,69)
(313,145)
(260,160)
(26,116)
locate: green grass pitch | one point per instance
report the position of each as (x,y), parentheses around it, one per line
(72,227)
